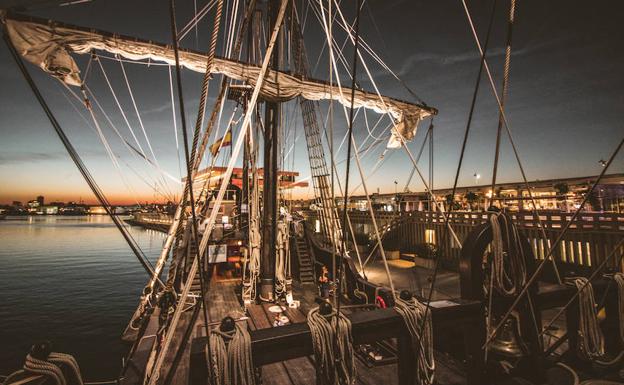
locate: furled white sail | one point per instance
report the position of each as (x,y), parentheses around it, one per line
(50,45)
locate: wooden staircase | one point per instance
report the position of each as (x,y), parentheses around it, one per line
(196,285)
(306,267)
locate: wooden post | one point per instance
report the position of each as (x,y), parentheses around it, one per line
(198,364)
(474,339)
(406,359)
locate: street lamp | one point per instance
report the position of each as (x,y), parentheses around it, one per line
(477,177)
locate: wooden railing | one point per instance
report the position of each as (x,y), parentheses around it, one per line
(588,241)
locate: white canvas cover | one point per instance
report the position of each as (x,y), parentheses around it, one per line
(49,46)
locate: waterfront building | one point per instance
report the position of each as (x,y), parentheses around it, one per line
(564,194)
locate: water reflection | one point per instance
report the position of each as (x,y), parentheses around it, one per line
(72,280)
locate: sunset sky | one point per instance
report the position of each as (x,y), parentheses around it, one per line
(565,103)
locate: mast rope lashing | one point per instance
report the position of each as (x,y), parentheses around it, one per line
(333,354)
(282,257)
(413,312)
(230,350)
(41,361)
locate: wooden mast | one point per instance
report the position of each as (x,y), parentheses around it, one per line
(272,118)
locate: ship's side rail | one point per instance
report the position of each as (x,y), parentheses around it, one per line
(589,239)
(293,341)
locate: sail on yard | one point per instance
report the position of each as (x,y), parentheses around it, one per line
(49,45)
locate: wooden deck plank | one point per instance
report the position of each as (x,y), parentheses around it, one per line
(300,371)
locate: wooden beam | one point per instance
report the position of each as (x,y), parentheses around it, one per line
(292,341)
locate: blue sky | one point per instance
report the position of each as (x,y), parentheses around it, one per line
(564,107)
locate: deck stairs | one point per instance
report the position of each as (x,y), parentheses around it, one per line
(306,263)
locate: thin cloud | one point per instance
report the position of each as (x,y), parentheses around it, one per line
(449,59)
(29,157)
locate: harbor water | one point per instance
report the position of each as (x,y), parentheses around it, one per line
(72,281)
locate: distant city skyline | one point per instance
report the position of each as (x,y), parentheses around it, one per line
(564,106)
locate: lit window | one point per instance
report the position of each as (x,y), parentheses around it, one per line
(430,236)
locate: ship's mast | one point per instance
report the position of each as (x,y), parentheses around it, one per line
(272,119)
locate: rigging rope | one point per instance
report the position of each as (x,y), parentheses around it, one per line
(619,281)
(555,244)
(175,121)
(333,366)
(593,275)
(221,193)
(512,12)
(189,155)
(501,110)
(413,313)
(78,161)
(461,158)
(349,116)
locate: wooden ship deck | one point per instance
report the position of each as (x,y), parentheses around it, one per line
(222,301)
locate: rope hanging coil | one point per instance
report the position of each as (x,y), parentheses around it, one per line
(333,354)
(413,312)
(50,367)
(591,344)
(231,357)
(509,271)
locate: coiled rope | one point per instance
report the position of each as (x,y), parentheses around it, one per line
(591,345)
(50,367)
(509,272)
(413,312)
(332,369)
(231,356)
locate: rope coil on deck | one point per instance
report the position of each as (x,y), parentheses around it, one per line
(412,312)
(231,356)
(333,354)
(49,366)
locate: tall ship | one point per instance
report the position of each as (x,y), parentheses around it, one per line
(254,287)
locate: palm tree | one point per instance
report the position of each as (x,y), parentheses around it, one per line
(562,189)
(471,198)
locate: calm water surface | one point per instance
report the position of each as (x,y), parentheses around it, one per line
(73,281)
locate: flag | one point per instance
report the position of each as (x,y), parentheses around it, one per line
(227,141)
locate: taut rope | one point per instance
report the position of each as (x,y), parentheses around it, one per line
(619,281)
